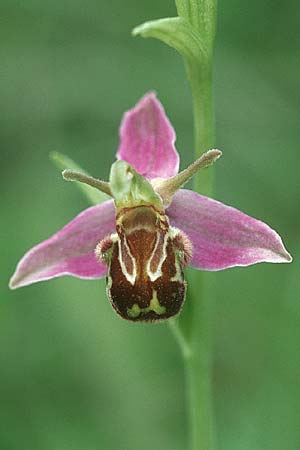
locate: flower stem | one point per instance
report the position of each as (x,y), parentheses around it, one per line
(197,321)
(198,362)
(204,130)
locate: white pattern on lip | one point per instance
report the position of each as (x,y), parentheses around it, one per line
(158,272)
(130,277)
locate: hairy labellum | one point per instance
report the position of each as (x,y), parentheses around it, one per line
(145,259)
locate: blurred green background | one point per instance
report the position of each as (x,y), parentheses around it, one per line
(74,376)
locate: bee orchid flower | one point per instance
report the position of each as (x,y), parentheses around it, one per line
(151,229)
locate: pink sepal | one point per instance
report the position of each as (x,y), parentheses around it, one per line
(223,236)
(147,139)
(70,251)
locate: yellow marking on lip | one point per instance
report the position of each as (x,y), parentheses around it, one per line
(154,306)
(134,311)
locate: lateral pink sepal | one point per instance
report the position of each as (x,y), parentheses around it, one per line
(223,236)
(70,251)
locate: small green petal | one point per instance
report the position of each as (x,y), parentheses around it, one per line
(64,162)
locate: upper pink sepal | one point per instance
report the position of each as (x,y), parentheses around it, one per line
(223,236)
(147,139)
(70,251)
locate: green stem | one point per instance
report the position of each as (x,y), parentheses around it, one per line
(200,79)
(198,362)
(197,322)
